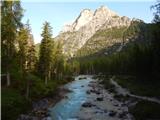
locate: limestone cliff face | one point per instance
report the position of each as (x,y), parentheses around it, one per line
(85,16)
(75,35)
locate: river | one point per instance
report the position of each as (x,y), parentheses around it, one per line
(99,103)
(67,109)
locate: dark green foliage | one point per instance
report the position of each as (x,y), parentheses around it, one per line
(45,56)
(13,104)
(140,58)
(19,63)
(144,110)
(10,22)
(139,86)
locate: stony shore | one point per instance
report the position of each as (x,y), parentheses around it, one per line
(101,105)
(40,108)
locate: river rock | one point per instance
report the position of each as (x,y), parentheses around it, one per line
(42,104)
(88,92)
(112,113)
(122,115)
(95,91)
(105,111)
(65,97)
(41,113)
(116,104)
(47,118)
(81,78)
(87,104)
(27,117)
(99,98)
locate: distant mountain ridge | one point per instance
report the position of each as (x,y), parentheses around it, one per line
(88,24)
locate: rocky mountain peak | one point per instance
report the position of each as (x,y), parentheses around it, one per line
(85,16)
(76,34)
(98,16)
(105,11)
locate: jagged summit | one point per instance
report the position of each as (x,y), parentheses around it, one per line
(85,16)
(102,13)
(76,34)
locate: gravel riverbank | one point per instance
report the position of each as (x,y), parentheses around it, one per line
(101,105)
(40,108)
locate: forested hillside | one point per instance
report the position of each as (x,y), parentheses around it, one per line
(27,75)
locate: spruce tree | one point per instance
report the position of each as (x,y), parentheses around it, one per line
(27,55)
(45,57)
(11,14)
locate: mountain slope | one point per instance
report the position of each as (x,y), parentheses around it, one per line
(88,25)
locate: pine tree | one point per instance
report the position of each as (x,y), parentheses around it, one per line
(45,58)
(58,58)
(23,49)
(31,56)
(11,21)
(27,54)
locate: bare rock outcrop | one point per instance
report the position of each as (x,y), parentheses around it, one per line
(75,35)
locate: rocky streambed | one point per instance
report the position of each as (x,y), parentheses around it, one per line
(101,105)
(87,100)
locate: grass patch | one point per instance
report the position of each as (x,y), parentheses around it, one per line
(13,104)
(106,82)
(145,110)
(40,90)
(138,86)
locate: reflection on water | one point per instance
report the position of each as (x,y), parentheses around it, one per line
(68,108)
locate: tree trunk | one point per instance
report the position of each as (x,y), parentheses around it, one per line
(46,80)
(49,75)
(8,79)
(27,90)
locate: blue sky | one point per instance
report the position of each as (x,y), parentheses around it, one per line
(60,13)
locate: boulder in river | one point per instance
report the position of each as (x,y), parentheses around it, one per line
(99,98)
(81,78)
(112,113)
(87,104)
(88,92)
(95,91)
(122,114)
(116,104)
(65,97)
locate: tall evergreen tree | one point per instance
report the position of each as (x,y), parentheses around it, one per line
(45,58)
(27,54)
(11,21)
(58,58)
(23,48)
(31,56)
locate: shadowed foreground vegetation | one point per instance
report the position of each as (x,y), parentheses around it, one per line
(144,110)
